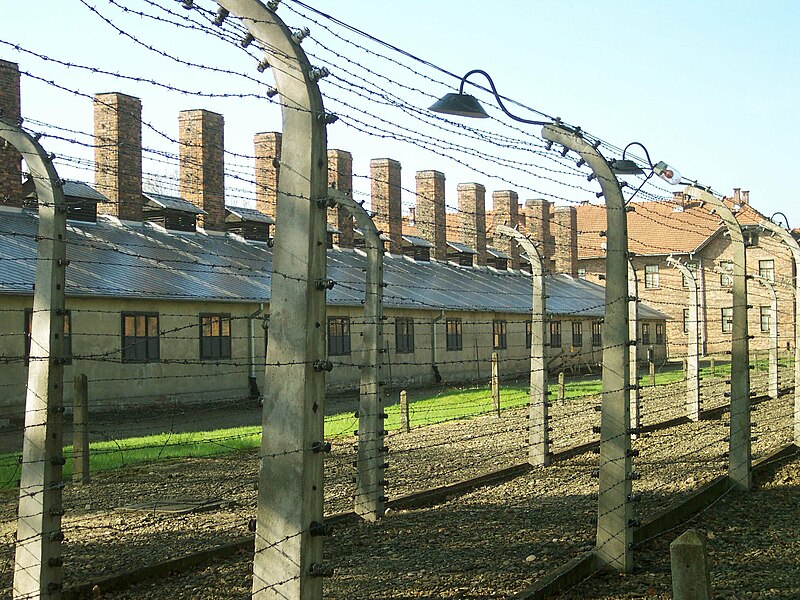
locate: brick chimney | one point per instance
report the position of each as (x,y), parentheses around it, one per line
(472,218)
(505,209)
(340,177)
(538,227)
(565,224)
(202,165)
(386,200)
(745,197)
(10,159)
(430,213)
(118,154)
(737,196)
(268,156)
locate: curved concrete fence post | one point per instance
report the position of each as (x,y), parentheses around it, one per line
(692,342)
(37,563)
(289,520)
(794,248)
(614,513)
(739,447)
(370,496)
(633,355)
(538,426)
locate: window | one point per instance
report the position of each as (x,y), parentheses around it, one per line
(581,273)
(646,334)
(455,339)
(577,334)
(659,334)
(766,318)
(528,334)
(766,269)
(215,336)
(686,320)
(597,333)
(67,339)
(555,334)
(404,335)
(338,336)
(499,335)
(693,268)
(140,337)
(650,276)
(726,268)
(727,320)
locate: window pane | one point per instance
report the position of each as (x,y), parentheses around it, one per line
(152,325)
(140,326)
(130,325)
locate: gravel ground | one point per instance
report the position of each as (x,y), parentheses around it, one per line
(489,543)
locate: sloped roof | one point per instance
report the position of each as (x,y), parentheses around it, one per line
(249,214)
(114,259)
(656,227)
(173,203)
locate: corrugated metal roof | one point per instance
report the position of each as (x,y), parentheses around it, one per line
(463,248)
(173,203)
(113,259)
(249,214)
(79,189)
(494,252)
(417,241)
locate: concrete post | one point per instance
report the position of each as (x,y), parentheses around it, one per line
(561,389)
(713,367)
(370,484)
(495,385)
(689,560)
(794,247)
(739,451)
(37,564)
(538,421)
(289,517)
(772,384)
(80,430)
(405,421)
(633,358)
(614,522)
(652,374)
(692,368)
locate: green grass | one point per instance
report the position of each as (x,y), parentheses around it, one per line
(425,409)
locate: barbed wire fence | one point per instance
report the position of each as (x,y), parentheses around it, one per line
(151,508)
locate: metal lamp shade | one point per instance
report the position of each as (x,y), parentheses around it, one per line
(462,105)
(624,166)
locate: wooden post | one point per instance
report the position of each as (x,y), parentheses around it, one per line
(495,384)
(405,421)
(561,389)
(80,431)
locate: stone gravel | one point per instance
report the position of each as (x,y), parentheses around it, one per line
(489,543)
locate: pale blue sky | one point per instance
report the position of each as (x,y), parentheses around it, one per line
(709,86)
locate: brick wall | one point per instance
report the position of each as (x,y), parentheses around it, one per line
(505,209)
(472,218)
(386,200)
(10,159)
(340,177)
(430,213)
(202,165)
(537,226)
(268,155)
(118,154)
(565,232)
